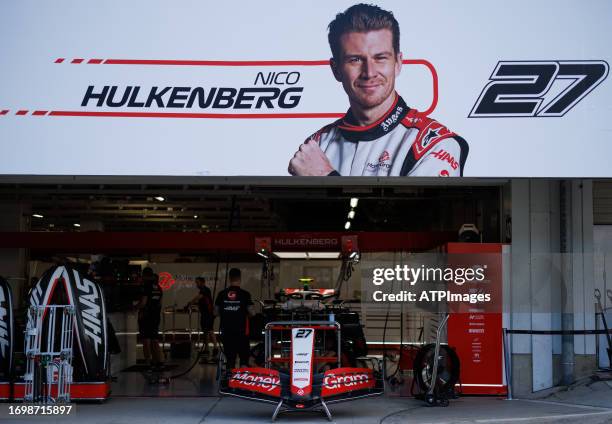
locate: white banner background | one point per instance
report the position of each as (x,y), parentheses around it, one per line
(463,40)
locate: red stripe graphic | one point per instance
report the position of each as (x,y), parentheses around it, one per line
(21,112)
(216,62)
(59,60)
(4,112)
(94,61)
(194,115)
(77,60)
(40,112)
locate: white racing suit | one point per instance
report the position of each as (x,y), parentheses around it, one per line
(403,142)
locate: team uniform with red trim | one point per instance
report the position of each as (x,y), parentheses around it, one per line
(403,142)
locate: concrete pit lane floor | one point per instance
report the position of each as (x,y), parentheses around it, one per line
(384,410)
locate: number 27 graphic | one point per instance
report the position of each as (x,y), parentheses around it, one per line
(517,89)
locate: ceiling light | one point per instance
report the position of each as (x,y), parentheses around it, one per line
(76,225)
(323,255)
(291,255)
(160,198)
(37,215)
(354,202)
(195,217)
(351,214)
(347,225)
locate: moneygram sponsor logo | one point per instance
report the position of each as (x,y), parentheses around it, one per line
(383,162)
(343,380)
(333,382)
(268,383)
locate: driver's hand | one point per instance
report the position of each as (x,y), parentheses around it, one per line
(310,160)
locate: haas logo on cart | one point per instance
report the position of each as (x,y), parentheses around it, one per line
(88,298)
(36,295)
(4,330)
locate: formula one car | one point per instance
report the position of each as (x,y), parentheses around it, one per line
(313,354)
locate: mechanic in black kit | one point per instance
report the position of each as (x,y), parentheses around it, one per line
(205,304)
(149,317)
(234,307)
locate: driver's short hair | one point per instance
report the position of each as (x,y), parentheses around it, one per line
(362,18)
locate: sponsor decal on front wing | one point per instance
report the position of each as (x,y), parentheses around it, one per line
(343,380)
(261,380)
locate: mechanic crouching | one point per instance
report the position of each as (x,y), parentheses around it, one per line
(234,307)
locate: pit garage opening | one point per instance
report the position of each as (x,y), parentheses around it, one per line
(387,226)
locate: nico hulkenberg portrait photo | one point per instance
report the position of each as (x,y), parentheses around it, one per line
(380,135)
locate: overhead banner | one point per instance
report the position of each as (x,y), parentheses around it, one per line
(237,88)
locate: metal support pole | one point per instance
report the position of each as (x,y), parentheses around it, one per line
(507,363)
(567,283)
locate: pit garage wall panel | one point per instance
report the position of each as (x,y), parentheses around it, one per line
(541,283)
(536,279)
(602,245)
(583,265)
(555,264)
(520,290)
(602,203)
(577,264)
(589,266)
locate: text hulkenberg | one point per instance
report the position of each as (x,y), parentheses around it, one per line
(270,90)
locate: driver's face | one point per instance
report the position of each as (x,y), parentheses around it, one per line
(367,67)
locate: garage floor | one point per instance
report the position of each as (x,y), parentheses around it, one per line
(200,381)
(387,410)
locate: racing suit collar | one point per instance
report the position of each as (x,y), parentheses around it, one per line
(390,119)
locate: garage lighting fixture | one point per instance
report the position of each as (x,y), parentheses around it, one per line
(323,255)
(76,225)
(351,214)
(37,215)
(195,217)
(354,202)
(307,255)
(160,198)
(347,225)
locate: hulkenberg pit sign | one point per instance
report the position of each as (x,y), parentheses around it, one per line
(206,89)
